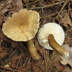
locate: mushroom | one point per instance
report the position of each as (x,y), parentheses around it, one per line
(51,36)
(23,26)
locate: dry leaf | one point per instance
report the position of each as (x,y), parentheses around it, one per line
(1,35)
(24,69)
(33,6)
(70,14)
(3,52)
(8,6)
(14,60)
(67,60)
(9,1)
(14,63)
(36,69)
(67,69)
(66,20)
(2,3)
(55,61)
(4,10)
(1,19)
(19,4)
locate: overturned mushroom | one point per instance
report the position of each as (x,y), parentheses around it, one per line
(22,26)
(51,36)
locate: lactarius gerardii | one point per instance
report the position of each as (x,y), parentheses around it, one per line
(23,26)
(51,36)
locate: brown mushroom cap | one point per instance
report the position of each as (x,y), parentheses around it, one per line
(22,26)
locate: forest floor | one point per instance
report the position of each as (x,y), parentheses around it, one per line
(14,56)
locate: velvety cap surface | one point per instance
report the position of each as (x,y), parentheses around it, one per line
(22,26)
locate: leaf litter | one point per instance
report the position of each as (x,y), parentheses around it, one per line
(16,55)
(67,60)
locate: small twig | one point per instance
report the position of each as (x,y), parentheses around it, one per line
(61,9)
(15,58)
(48,16)
(35,2)
(45,60)
(25,61)
(42,11)
(9,58)
(6,68)
(19,59)
(9,69)
(49,5)
(4,16)
(40,65)
(46,56)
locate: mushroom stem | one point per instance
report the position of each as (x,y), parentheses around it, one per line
(32,50)
(56,46)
